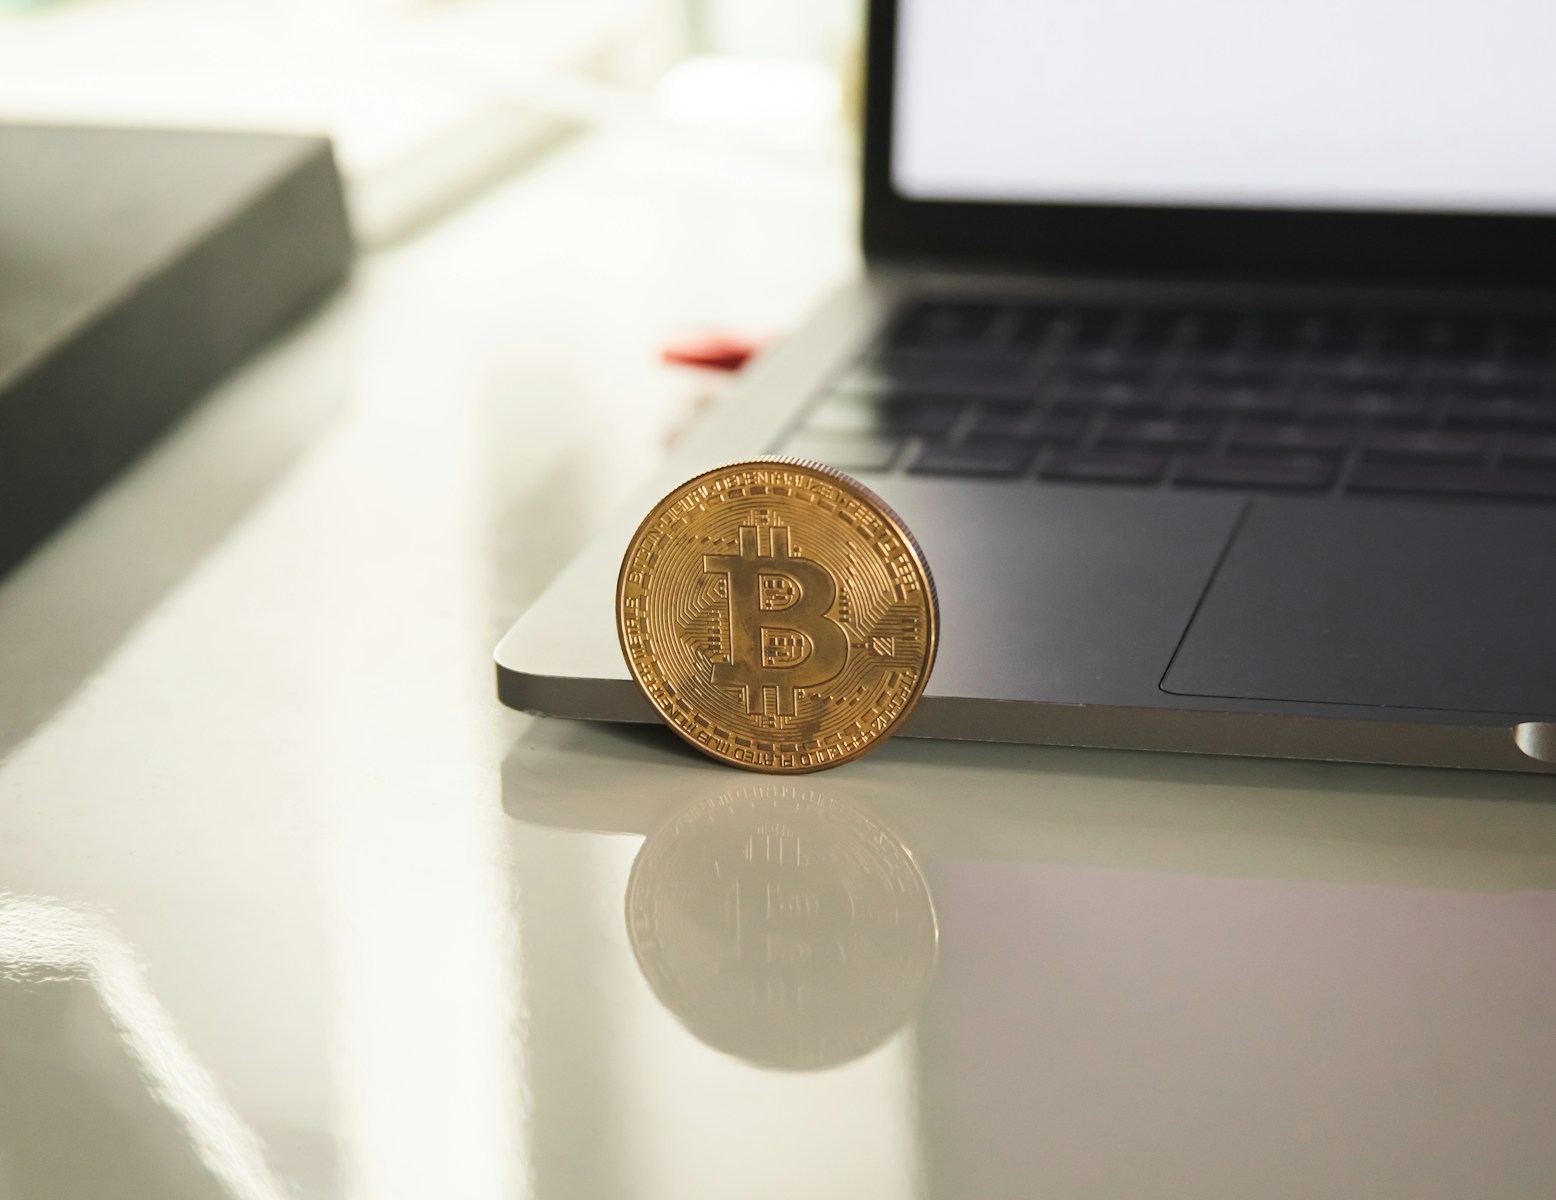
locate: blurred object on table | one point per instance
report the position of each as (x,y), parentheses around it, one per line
(426,102)
(136,268)
(823,35)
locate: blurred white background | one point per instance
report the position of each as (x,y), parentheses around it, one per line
(429,101)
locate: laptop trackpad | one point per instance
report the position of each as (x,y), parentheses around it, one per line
(1403,604)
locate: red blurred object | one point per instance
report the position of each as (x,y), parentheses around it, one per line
(714,352)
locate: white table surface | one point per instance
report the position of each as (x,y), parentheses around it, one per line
(290,906)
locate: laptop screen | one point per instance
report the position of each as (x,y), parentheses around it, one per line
(1383,105)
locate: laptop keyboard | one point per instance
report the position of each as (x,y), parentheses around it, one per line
(1275,401)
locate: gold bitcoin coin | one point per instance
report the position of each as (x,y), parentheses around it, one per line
(778,615)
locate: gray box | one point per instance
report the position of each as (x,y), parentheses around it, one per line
(136,268)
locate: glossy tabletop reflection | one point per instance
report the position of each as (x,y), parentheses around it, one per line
(996,971)
(292,909)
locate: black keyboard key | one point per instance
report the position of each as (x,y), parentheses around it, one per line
(1160,330)
(1156,435)
(983,458)
(857,452)
(1290,331)
(1006,418)
(941,374)
(1259,472)
(1369,403)
(1516,413)
(1234,401)
(1024,423)
(1194,332)
(945,326)
(1028,327)
(1501,382)
(1106,368)
(1362,372)
(1118,398)
(899,416)
(1460,376)
(1531,338)
(1311,332)
(1537,452)
(1291,439)
(1434,333)
(1088,328)
(1485,482)
(1425,446)
(1104,467)
(1211,331)
(1234,372)
(973,328)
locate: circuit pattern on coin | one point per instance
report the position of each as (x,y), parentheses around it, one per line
(778,615)
(782,926)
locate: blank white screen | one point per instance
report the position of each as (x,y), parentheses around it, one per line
(1362,104)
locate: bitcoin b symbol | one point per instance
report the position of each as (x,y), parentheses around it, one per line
(766,657)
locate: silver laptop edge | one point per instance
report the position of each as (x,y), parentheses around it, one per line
(562,657)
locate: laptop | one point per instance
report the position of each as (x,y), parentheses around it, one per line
(1211,356)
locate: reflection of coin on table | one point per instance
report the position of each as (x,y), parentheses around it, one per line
(782,926)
